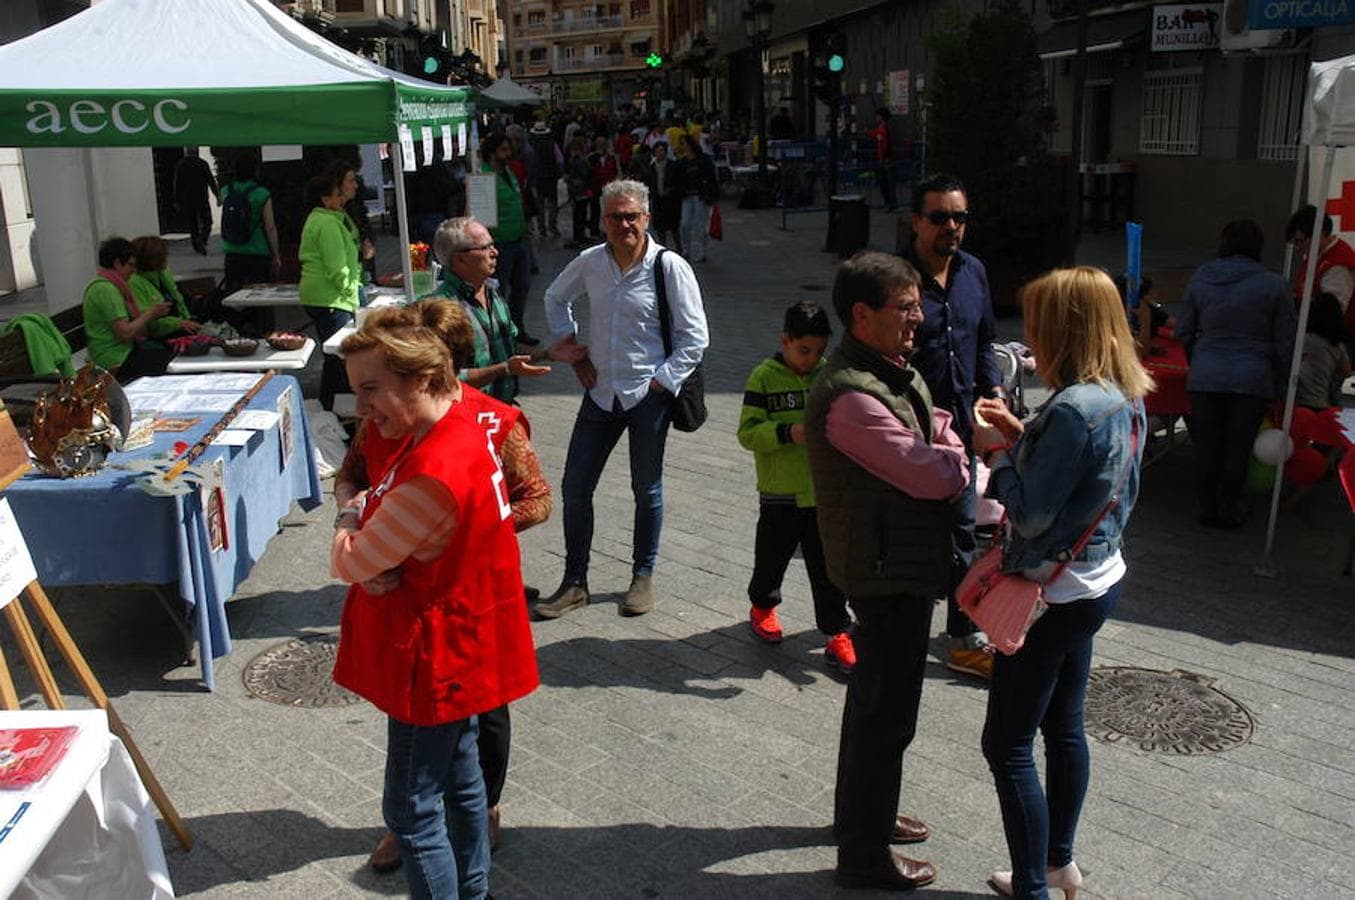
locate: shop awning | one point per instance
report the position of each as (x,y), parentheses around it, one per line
(1103,33)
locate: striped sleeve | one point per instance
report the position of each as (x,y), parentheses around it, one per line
(415,519)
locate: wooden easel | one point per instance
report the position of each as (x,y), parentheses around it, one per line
(13,465)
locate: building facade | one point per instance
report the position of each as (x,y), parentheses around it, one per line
(586,53)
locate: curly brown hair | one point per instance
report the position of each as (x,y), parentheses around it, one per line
(429,340)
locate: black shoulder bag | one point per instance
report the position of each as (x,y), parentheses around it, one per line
(689,406)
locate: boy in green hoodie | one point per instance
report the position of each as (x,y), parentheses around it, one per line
(772,426)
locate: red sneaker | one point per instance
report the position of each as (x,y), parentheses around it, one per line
(765,625)
(840,654)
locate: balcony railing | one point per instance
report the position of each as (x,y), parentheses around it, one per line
(605,61)
(592,23)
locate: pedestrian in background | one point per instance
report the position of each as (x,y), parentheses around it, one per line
(193,180)
(1074,464)
(772,426)
(696,183)
(330,273)
(249,234)
(629,382)
(954,355)
(1238,325)
(515,253)
(887,469)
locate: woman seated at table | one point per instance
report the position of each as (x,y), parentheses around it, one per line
(1237,324)
(1325,363)
(330,272)
(153,283)
(117,328)
(434,631)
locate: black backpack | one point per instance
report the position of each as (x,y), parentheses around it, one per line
(237,216)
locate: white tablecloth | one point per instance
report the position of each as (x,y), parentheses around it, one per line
(90,830)
(263,360)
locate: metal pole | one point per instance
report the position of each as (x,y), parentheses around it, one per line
(402,215)
(760,107)
(1075,167)
(1299,168)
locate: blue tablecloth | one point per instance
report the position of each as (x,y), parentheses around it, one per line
(106,530)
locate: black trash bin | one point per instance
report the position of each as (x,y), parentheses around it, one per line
(848,224)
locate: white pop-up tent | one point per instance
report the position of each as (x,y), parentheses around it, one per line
(509,93)
(1328,124)
(145,73)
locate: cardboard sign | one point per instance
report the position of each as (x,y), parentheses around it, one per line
(16,566)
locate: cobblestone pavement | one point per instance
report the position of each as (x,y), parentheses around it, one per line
(672,756)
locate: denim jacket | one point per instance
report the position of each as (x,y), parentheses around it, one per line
(1062,473)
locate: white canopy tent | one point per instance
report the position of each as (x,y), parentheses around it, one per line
(1329,124)
(510,93)
(139,73)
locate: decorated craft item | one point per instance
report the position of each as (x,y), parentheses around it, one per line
(78,423)
(240,347)
(286,340)
(193,344)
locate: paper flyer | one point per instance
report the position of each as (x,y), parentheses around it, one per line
(16,566)
(407,148)
(448,150)
(427,144)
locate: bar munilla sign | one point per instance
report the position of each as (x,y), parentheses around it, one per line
(1186,26)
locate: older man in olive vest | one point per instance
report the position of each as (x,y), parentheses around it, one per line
(886,467)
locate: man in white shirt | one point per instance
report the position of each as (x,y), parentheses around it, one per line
(629,381)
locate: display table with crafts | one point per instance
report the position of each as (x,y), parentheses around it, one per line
(88,828)
(107,529)
(264,359)
(253,296)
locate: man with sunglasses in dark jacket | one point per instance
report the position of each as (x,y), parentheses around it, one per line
(954,354)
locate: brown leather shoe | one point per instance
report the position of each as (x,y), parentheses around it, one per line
(895,873)
(494,831)
(908,830)
(386,856)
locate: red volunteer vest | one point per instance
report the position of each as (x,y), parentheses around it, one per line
(494,416)
(453,639)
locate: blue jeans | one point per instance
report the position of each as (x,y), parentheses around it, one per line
(333,376)
(435,804)
(596,432)
(514,273)
(1043,686)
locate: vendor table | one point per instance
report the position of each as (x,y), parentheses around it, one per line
(1167,363)
(89,828)
(266,359)
(255,295)
(104,529)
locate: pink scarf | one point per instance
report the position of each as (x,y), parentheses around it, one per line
(132,309)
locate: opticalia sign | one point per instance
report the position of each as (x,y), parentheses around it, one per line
(1186,26)
(129,116)
(1263,14)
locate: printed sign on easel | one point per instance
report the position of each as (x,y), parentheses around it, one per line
(16,566)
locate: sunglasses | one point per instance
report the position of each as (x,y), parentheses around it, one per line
(489,246)
(630,218)
(941,217)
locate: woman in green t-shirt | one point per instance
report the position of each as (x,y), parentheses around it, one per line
(153,283)
(330,272)
(116,327)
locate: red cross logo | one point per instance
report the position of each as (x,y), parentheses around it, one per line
(1343,207)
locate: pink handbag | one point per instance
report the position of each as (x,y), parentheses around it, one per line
(1006,604)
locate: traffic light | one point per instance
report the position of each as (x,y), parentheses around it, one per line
(828,66)
(433,62)
(654,60)
(836,46)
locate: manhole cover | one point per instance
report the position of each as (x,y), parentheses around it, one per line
(298,673)
(1174,712)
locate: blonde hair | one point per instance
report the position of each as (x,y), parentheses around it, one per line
(1076,326)
(411,339)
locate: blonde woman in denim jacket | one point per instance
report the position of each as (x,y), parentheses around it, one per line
(1055,476)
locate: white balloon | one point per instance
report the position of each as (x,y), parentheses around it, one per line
(1272,447)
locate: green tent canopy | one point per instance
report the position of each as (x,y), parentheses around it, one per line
(138,73)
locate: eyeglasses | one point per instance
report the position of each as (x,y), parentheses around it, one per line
(489,246)
(630,218)
(941,217)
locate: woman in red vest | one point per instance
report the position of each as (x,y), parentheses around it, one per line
(529,495)
(434,631)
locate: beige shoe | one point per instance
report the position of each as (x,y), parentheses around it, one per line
(567,598)
(639,598)
(1067,879)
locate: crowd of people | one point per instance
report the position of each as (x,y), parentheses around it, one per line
(867,453)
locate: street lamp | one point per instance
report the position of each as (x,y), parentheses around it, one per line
(757,26)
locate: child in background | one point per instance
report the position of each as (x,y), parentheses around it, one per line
(1325,363)
(772,426)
